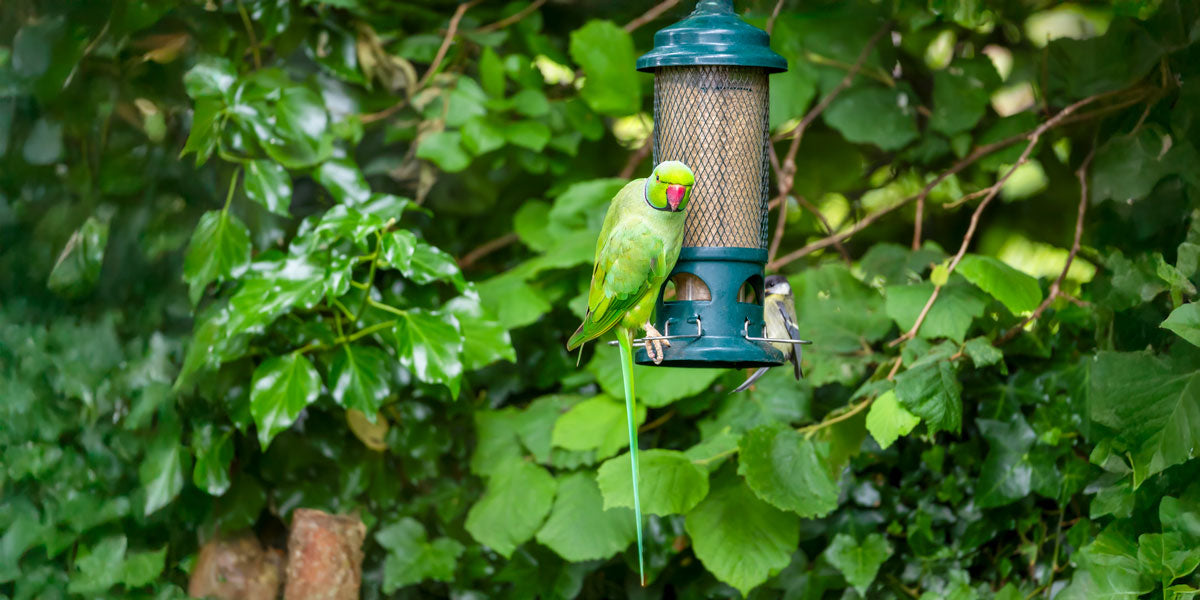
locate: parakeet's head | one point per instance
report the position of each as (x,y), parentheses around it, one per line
(778,284)
(669,186)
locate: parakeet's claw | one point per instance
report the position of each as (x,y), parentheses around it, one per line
(654,348)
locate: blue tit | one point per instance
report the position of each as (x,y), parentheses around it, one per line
(779,314)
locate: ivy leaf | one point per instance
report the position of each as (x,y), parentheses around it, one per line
(143,568)
(412,559)
(1017,291)
(932,392)
(445,149)
(1151,406)
(874,115)
(358,378)
(580,528)
(670,482)
(858,562)
(203,136)
(1185,322)
(282,387)
(162,471)
(951,315)
(598,423)
(1127,167)
(100,568)
(268,184)
(480,136)
(1007,473)
(214,453)
(491,73)
(212,76)
(740,539)
(343,221)
(788,470)
(605,53)
(219,250)
(343,179)
(430,264)
(301,137)
(888,420)
(484,340)
(1166,556)
(78,266)
(492,520)
(429,343)
(398,248)
(275,288)
(655,387)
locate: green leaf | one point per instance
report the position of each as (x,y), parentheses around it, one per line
(598,423)
(143,568)
(655,387)
(788,470)
(1185,322)
(445,149)
(282,387)
(275,288)
(858,562)
(531,135)
(670,482)
(1152,407)
(78,266)
(429,344)
(740,539)
(211,76)
(580,528)
(493,522)
(495,440)
(874,115)
(888,420)
(214,454)
(343,179)
(268,184)
(932,392)
(1017,291)
(605,53)
(398,249)
(1007,472)
(343,221)
(1127,167)
(480,136)
(484,341)
(491,73)
(961,94)
(982,352)
(950,316)
(412,559)
(44,145)
(530,102)
(1182,516)
(203,136)
(219,250)
(430,264)
(302,137)
(1079,68)
(162,471)
(836,310)
(359,378)
(1166,556)
(514,302)
(99,568)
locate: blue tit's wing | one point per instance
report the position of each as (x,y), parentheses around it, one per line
(750,380)
(788,315)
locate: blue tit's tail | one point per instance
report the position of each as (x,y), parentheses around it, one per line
(625,340)
(750,380)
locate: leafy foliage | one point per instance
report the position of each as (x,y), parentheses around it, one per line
(267,254)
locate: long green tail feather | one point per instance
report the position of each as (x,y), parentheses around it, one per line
(625,340)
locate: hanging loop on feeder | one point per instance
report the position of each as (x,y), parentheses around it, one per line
(667,334)
(746,334)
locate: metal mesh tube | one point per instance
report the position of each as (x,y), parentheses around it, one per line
(714,119)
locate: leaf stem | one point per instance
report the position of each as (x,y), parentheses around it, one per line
(387,307)
(362,307)
(232,186)
(368,331)
(345,311)
(809,430)
(250,34)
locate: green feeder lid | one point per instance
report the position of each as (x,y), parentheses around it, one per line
(712,35)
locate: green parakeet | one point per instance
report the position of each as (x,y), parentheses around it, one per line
(636,250)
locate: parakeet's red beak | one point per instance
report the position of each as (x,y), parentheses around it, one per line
(674,195)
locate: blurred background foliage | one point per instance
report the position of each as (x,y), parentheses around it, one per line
(267,254)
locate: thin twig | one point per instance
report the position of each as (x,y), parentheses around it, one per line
(441,52)
(635,159)
(469,259)
(780,221)
(650,15)
(815,427)
(657,422)
(1056,287)
(774,15)
(509,20)
(993,191)
(250,34)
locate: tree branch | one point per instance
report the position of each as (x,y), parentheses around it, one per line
(450,32)
(774,15)
(1056,287)
(992,192)
(650,15)
(509,20)
(635,158)
(469,259)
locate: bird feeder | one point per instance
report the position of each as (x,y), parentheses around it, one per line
(711,112)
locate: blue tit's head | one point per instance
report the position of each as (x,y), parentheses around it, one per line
(778,284)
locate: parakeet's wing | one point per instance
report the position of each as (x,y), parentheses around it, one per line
(788,314)
(629,259)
